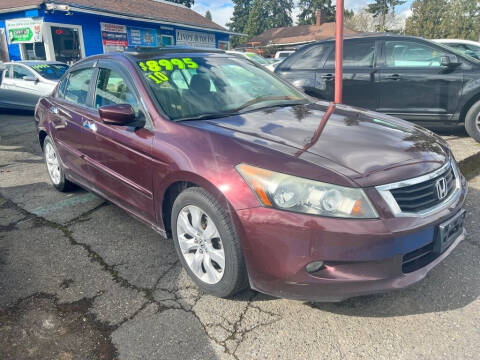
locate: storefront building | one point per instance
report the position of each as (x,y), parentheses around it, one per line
(67,31)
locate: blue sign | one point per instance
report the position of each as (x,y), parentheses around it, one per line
(142,37)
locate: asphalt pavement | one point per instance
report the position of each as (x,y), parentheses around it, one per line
(81,279)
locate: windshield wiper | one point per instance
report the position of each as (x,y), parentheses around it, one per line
(270,98)
(207,116)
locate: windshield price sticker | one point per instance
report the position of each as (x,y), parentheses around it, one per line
(157,67)
(39,67)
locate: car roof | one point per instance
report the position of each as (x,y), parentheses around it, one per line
(34,62)
(369,35)
(458,41)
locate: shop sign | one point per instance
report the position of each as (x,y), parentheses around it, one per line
(142,37)
(25,30)
(114,37)
(195,39)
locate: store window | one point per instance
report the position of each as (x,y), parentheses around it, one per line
(34,51)
(167,40)
(223,45)
(66,44)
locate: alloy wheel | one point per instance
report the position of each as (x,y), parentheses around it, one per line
(201,244)
(53,164)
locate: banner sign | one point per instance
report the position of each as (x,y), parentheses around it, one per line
(142,37)
(195,39)
(114,37)
(24,31)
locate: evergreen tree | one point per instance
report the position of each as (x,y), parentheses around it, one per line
(257,19)
(279,13)
(308,11)
(428,19)
(462,20)
(208,15)
(239,19)
(187,3)
(381,8)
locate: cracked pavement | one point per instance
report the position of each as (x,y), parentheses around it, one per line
(80,279)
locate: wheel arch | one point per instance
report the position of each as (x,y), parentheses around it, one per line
(174,186)
(467,106)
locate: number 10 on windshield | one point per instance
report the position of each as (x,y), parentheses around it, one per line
(156,68)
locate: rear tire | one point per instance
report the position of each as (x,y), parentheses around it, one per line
(472,121)
(55,167)
(203,231)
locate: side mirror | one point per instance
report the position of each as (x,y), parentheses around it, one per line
(122,114)
(449,60)
(30,78)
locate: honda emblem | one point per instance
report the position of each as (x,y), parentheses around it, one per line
(442,188)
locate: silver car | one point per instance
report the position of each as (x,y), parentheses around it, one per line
(24,82)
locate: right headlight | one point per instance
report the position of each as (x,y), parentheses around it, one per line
(300,195)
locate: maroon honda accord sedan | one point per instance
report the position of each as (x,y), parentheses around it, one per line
(255,190)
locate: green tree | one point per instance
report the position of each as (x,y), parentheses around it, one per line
(308,11)
(187,3)
(239,19)
(381,8)
(208,15)
(279,13)
(428,19)
(462,20)
(257,19)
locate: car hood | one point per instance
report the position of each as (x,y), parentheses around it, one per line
(367,147)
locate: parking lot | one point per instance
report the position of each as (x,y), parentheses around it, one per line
(80,279)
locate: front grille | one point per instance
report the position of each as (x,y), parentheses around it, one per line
(418,258)
(422,196)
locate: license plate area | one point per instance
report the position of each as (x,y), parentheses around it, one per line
(449,231)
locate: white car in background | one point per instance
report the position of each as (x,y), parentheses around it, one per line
(467,47)
(23,83)
(283,54)
(251,56)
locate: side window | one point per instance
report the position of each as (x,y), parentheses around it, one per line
(61,88)
(411,54)
(112,89)
(19,72)
(7,71)
(77,86)
(310,59)
(355,54)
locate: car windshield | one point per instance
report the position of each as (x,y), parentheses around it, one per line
(189,88)
(50,71)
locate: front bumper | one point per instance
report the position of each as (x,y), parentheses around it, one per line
(361,256)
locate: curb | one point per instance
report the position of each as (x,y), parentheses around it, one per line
(470,166)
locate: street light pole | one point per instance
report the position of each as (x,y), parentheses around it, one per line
(339,53)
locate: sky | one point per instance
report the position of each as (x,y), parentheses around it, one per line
(222,9)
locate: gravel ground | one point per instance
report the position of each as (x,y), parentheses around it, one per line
(80,279)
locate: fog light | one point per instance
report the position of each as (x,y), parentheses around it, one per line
(314,266)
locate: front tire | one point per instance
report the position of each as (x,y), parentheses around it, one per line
(54,166)
(207,244)
(472,121)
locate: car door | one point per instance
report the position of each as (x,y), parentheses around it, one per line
(121,160)
(66,113)
(27,84)
(359,74)
(301,68)
(413,83)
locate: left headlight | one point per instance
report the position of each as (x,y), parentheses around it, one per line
(300,195)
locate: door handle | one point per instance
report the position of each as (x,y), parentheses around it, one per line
(328,77)
(90,125)
(394,77)
(54,110)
